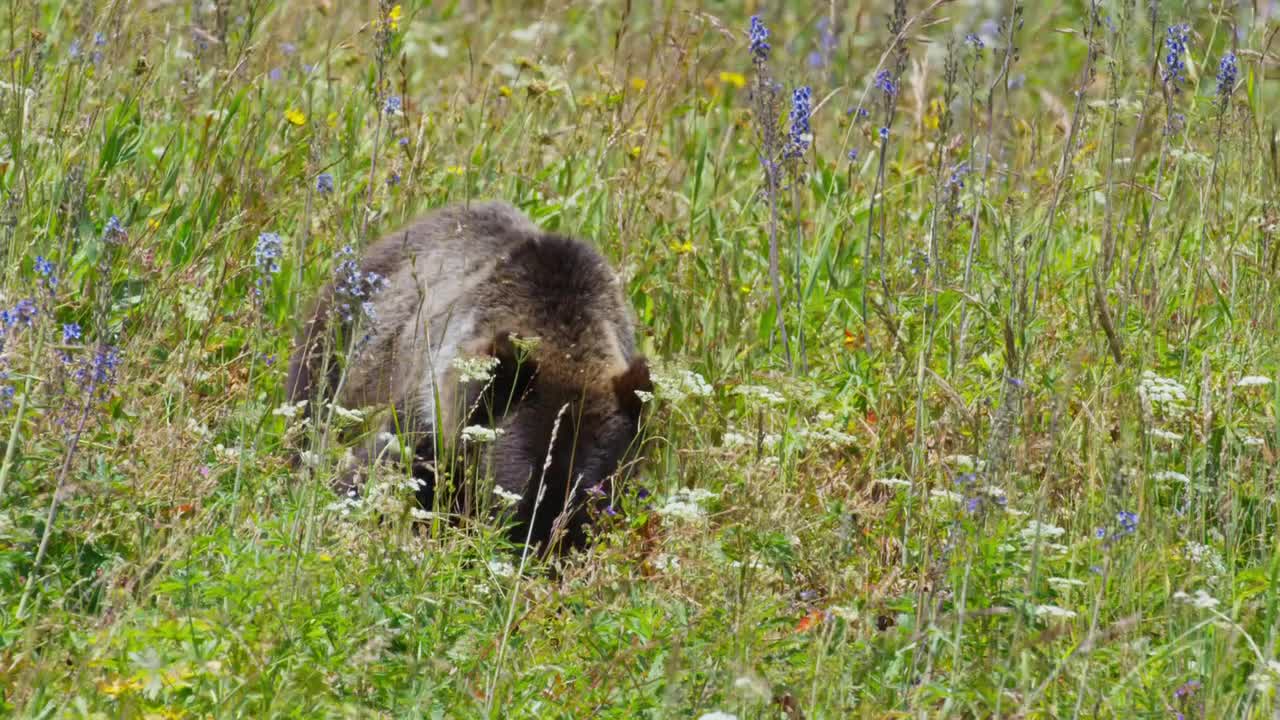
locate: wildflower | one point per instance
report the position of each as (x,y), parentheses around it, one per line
(885,84)
(266,254)
(1166,435)
(1062,584)
(884,133)
(393,179)
(501,568)
(24,313)
(1187,689)
(768,395)
(1175,43)
(973,41)
(70,332)
(853,155)
(324,183)
(957,181)
(392,106)
(100,372)
(479,434)
(1054,612)
(1128,522)
(1252,381)
(295,117)
(1160,390)
(1171,476)
(681,384)
(393,17)
(507,497)
(801,133)
(288,48)
(1200,601)
(289,410)
(74,50)
(475,369)
(354,286)
(759,36)
(1036,530)
(44,268)
(686,505)
(457,170)
(737,80)
(99,39)
(639,84)
(1228,70)
(274,74)
(114,231)
(403,142)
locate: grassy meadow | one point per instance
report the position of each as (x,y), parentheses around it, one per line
(966,357)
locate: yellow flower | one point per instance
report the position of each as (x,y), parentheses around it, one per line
(635,151)
(934,116)
(393,19)
(639,84)
(504,91)
(295,117)
(456,170)
(332,119)
(153,223)
(682,248)
(737,80)
(119,686)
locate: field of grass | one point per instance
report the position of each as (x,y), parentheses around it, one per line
(967,354)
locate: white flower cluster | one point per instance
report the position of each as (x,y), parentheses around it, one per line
(1044,534)
(1200,601)
(828,437)
(1264,679)
(1053,612)
(892,482)
(475,368)
(1253,381)
(507,497)
(1171,476)
(964,463)
(768,395)
(1208,558)
(680,384)
(480,434)
(1166,435)
(685,504)
(1161,390)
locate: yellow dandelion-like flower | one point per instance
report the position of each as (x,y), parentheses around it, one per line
(639,84)
(682,248)
(153,223)
(737,80)
(295,117)
(634,152)
(331,119)
(504,91)
(393,18)
(456,170)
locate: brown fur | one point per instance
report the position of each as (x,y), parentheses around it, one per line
(461,282)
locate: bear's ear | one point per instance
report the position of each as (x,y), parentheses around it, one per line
(625,386)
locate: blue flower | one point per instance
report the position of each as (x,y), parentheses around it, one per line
(404,142)
(24,313)
(392,105)
(801,133)
(885,84)
(353,287)
(759,36)
(70,332)
(393,179)
(1128,522)
(324,183)
(884,133)
(957,181)
(1175,45)
(99,39)
(266,255)
(45,268)
(100,373)
(288,48)
(74,49)
(1228,71)
(853,155)
(973,41)
(114,230)
(275,74)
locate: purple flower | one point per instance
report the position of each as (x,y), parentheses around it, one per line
(114,231)
(392,105)
(973,41)
(1228,71)
(1128,522)
(266,255)
(759,36)
(44,268)
(70,332)
(884,133)
(885,84)
(853,155)
(288,48)
(324,183)
(275,74)
(801,132)
(1175,45)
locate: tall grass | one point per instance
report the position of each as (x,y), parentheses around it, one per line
(975,416)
